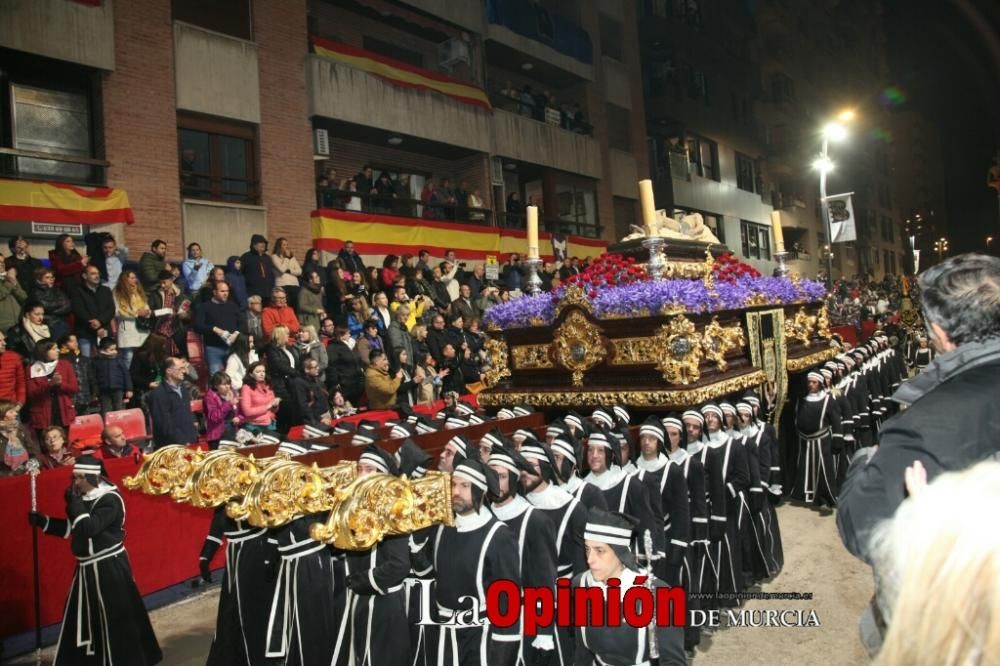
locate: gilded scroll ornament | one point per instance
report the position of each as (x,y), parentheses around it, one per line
(632,351)
(574,295)
(165,470)
(814,359)
(823,324)
(578,345)
(288,489)
(532,357)
(499,368)
(718,340)
(677,349)
(801,327)
(670,398)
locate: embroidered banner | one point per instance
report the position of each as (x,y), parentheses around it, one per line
(401,73)
(61,203)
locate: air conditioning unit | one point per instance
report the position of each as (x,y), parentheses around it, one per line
(796,203)
(497,172)
(452,52)
(321,143)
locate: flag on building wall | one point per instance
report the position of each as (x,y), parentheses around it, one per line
(61,203)
(841,211)
(376,236)
(401,73)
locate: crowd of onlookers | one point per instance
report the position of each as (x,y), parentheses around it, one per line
(866,299)
(543,106)
(390,194)
(266,342)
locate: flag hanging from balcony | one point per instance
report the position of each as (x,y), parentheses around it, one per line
(841,212)
(61,203)
(401,73)
(380,235)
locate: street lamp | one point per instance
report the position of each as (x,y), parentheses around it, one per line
(989,239)
(832,131)
(941,247)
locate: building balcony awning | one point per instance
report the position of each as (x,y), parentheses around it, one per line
(401,73)
(62,203)
(380,235)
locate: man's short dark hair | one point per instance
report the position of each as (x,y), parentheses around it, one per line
(374,355)
(962,296)
(423,253)
(155,244)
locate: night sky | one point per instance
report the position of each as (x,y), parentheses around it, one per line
(944,59)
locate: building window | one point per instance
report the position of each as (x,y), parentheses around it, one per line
(394,51)
(711,220)
(619,128)
(884,198)
(744,173)
(782,89)
(611,38)
(218,160)
(756,240)
(59,122)
(705,155)
(230,17)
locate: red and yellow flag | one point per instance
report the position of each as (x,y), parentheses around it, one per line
(380,235)
(401,73)
(61,203)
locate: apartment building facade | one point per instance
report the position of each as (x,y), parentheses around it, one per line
(219,121)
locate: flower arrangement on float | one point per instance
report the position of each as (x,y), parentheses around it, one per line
(618,287)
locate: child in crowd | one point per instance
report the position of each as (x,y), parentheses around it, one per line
(114,382)
(221,415)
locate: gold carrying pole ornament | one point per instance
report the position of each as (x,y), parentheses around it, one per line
(165,470)
(289,489)
(379,505)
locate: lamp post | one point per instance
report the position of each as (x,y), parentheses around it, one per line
(989,239)
(834,131)
(941,247)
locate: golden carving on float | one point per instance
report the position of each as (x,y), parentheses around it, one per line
(380,505)
(677,350)
(650,398)
(801,327)
(578,345)
(532,357)
(631,351)
(823,324)
(803,362)
(165,470)
(288,489)
(574,295)
(499,368)
(718,340)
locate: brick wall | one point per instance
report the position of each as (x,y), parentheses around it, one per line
(140,123)
(286,164)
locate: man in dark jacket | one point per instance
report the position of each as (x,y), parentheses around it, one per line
(258,269)
(351,259)
(952,421)
(21,259)
(170,407)
(218,322)
(312,402)
(94,307)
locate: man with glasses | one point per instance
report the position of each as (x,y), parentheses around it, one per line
(170,406)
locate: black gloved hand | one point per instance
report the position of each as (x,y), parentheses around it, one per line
(355,581)
(206,573)
(36,519)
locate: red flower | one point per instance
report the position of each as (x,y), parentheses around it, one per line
(593,293)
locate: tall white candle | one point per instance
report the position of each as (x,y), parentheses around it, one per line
(648,204)
(532,232)
(779,235)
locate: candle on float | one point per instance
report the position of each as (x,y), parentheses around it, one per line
(648,205)
(779,236)
(532,232)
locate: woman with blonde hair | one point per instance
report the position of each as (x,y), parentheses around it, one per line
(937,569)
(132,314)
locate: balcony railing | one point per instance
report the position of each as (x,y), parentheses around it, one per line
(30,164)
(389,204)
(567,120)
(556,225)
(529,19)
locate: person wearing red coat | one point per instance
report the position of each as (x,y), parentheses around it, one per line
(67,263)
(12,385)
(51,387)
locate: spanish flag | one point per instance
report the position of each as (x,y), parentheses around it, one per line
(401,73)
(61,203)
(380,235)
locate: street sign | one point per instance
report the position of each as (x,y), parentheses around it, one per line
(492,267)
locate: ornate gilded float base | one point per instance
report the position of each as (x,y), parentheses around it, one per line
(673,398)
(814,359)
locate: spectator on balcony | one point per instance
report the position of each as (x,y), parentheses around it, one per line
(403,204)
(12,296)
(279,313)
(423,263)
(311,262)
(258,402)
(146,369)
(51,387)
(380,386)
(21,259)
(349,199)
(258,269)
(283,364)
(12,376)
(204,295)
(429,211)
(511,274)
(326,328)
(351,260)
(511,96)
(547,275)
(381,312)
(66,262)
(114,445)
(399,331)
(311,398)
(383,192)
(56,453)
(464,306)
(175,313)
(364,183)
(362,285)
(218,322)
(309,345)
(310,308)
(337,292)
(233,275)
(23,337)
(450,278)
(53,299)
(514,210)
(407,268)
(152,263)
(444,197)
(369,341)
(69,351)
(344,371)
(358,313)
(462,201)
(94,309)
(17,443)
(132,314)
(489,297)
(170,406)
(242,354)
(475,206)
(527,107)
(110,261)
(286,270)
(252,321)
(476,281)
(439,291)
(422,287)
(390,269)
(195,269)
(571,267)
